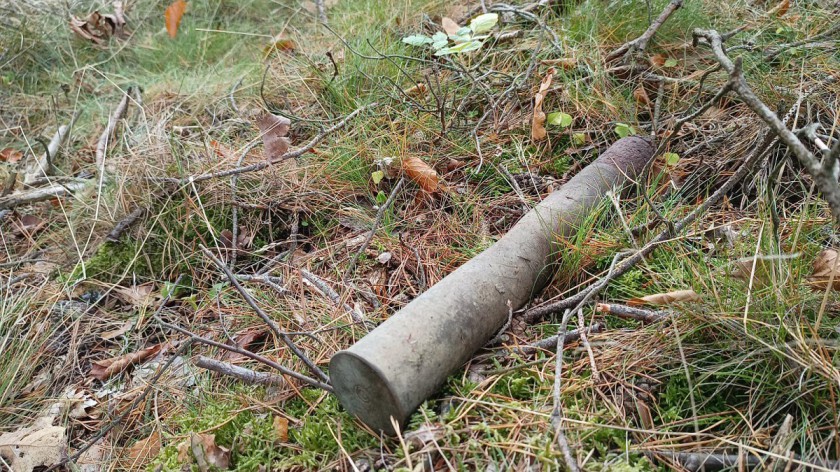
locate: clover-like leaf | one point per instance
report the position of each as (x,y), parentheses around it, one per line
(417,40)
(623,130)
(439,40)
(578,139)
(558,118)
(462,47)
(671,62)
(484,23)
(671,158)
(377,176)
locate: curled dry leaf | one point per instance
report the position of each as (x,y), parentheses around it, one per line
(538,131)
(657,60)
(10,155)
(565,63)
(780,9)
(425,435)
(281,427)
(274,129)
(139,296)
(144,449)
(668,298)
(420,172)
(173,15)
(107,368)
(450,26)
(641,96)
(209,456)
(826,270)
(35,446)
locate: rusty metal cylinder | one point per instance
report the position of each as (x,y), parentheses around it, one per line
(388,373)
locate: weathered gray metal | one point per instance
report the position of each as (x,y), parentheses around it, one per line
(387,374)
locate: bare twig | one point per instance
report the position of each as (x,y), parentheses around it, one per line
(241,373)
(557,411)
(322,11)
(264,164)
(585,341)
(820,172)
(639,44)
(105,137)
(268,321)
(41,194)
(124,224)
(631,313)
(380,213)
(244,352)
(551,342)
(42,166)
(324,288)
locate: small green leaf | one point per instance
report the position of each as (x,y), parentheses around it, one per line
(377,176)
(563,120)
(462,35)
(484,23)
(417,40)
(578,139)
(623,130)
(381,198)
(439,40)
(671,158)
(671,62)
(463,47)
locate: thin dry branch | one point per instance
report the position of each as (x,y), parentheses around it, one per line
(41,194)
(631,313)
(244,352)
(42,166)
(237,372)
(268,321)
(821,172)
(105,137)
(639,44)
(380,213)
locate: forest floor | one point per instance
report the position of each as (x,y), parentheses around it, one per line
(96,276)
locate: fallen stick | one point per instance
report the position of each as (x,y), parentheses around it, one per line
(105,137)
(550,343)
(41,194)
(42,166)
(639,44)
(241,373)
(397,366)
(631,313)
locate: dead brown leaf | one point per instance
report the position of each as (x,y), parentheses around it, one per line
(449,26)
(173,15)
(98,28)
(209,456)
(35,446)
(107,368)
(28,225)
(780,9)
(124,328)
(10,155)
(658,60)
(140,296)
(565,63)
(538,131)
(281,427)
(420,172)
(274,129)
(826,270)
(641,96)
(668,298)
(144,449)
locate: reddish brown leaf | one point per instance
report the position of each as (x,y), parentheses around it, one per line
(10,155)
(173,15)
(144,449)
(281,427)
(449,26)
(826,270)
(658,60)
(107,368)
(538,131)
(29,224)
(641,96)
(780,9)
(420,172)
(665,298)
(208,455)
(274,129)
